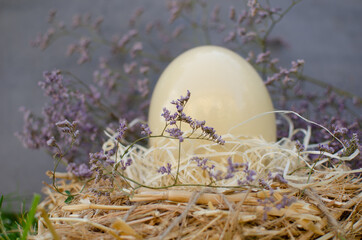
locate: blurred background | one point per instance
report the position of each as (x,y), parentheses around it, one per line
(327,34)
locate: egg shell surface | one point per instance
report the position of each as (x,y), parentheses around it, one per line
(225,92)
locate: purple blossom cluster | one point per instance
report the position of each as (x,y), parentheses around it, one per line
(214,174)
(231,169)
(234,167)
(249,177)
(110,81)
(80,170)
(300,147)
(121,89)
(82,48)
(270,202)
(121,130)
(145,130)
(247,25)
(348,136)
(98,161)
(202,163)
(285,202)
(104,77)
(65,103)
(179,116)
(283,75)
(165,169)
(125,164)
(277,177)
(68,127)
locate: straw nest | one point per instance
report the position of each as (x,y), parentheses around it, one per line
(327,200)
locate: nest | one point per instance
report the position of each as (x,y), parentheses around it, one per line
(323,212)
(324,203)
(314,199)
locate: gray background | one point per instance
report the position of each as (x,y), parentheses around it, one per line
(327,34)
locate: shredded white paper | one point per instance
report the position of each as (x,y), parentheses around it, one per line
(263,157)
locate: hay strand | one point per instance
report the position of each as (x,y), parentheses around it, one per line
(326,200)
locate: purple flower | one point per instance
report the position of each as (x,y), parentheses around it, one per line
(182,100)
(264,184)
(340,131)
(178,30)
(64,103)
(219,140)
(144,69)
(202,163)
(94,157)
(262,57)
(127,38)
(67,127)
(142,86)
(179,108)
(145,130)
(176,133)
(279,178)
(230,37)
(300,147)
(198,124)
(165,170)
(166,115)
(137,13)
(125,164)
(136,48)
(77,21)
(97,23)
(285,202)
(217,175)
(250,174)
(326,148)
(121,130)
(81,170)
(64,124)
(51,142)
(125,91)
(129,67)
(232,168)
(250,177)
(175,10)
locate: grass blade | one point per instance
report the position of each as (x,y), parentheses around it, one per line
(2,227)
(30,216)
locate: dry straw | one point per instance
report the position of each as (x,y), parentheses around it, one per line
(327,200)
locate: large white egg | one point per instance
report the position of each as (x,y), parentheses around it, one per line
(225,91)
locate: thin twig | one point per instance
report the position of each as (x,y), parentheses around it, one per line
(332,221)
(49,224)
(97,225)
(192,201)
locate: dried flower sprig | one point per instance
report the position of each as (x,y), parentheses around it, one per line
(246,31)
(101,160)
(127,90)
(173,123)
(80,170)
(207,133)
(65,103)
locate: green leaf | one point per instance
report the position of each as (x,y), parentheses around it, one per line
(30,216)
(1,201)
(69,198)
